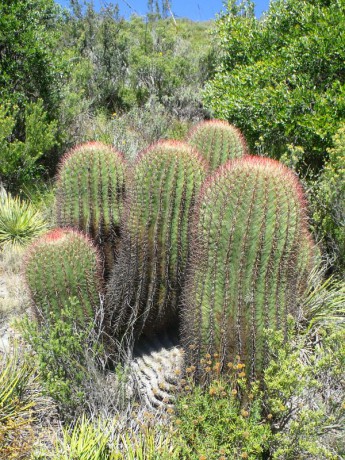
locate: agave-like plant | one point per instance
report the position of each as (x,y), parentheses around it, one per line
(86,440)
(17,401)
(20,221)
(323,303)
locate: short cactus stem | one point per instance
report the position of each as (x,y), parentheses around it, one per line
(145,288)
(217,141)
(90,193)
(250,254)
(60,265)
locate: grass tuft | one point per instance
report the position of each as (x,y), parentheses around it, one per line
(20,221)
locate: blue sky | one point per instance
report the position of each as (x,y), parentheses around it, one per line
(193,9)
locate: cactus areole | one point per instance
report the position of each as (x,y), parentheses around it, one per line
(248,262)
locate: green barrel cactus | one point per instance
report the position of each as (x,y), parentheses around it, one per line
(90,193)
(60,265)
(249,259)
(144,290)
(217,141)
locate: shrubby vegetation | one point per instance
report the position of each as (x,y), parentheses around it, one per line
(279,79)
(71,76)
(328,198)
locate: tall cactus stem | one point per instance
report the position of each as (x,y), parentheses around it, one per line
(250,256)
(144,290)
(90,194)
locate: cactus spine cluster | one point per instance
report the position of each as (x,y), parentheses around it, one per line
(60,265)
(90,194)
(248,245)
(146,283)
(217,141)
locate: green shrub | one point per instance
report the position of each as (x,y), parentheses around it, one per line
(222,420)
(296,412)
(20,221)
(20,156)
(328,200)
(63,350)
(304,388)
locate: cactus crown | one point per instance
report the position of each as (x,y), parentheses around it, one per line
(217,141)
(62,264)
(246,246)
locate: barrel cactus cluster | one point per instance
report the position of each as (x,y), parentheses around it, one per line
(196,236)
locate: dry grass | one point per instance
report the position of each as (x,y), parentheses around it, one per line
(13,294)
(14,298)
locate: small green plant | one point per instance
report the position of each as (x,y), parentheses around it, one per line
(295,411)
(62,350)
(103,439)
(86,440)
(223,419)
(304,390)
(20,221)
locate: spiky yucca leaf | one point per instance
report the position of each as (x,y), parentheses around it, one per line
(217,141)
(323,302)
(19,395)
(87,440)
(20,221)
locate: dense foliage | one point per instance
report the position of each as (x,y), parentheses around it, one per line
(281,79)
(68,76)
